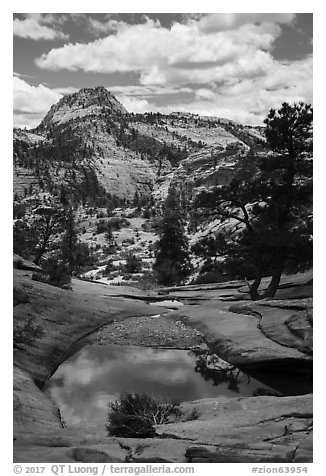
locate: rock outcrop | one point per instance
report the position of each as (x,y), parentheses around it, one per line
(87,101)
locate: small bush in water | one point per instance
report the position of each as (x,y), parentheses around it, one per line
(134,415)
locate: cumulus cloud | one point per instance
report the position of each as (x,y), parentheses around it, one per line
(153,51)
(248,100)
(37,27)
(239,48)
(257,64)
(222,64)
(229,21)
(31,103)
(245,100)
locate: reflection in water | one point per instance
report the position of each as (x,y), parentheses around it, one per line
(209,369)
(214,369)
(84,385)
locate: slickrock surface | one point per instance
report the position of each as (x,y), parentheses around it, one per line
(252,334)
(254,429)
(66,317)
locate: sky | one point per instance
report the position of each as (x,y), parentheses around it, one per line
(232,65)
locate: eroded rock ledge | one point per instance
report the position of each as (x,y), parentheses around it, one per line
(266,335)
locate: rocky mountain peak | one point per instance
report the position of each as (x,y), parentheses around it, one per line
(93,96)
(85,102)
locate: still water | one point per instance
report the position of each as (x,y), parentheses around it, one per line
(83,386)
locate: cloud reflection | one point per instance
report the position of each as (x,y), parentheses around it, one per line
(95,376)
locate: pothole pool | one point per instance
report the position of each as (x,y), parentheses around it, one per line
(83,386)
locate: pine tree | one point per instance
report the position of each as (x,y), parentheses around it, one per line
(270,197)
(172,264)
(46,226)
(289,210)
(73,252)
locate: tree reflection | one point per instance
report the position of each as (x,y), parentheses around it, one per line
(215,370)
